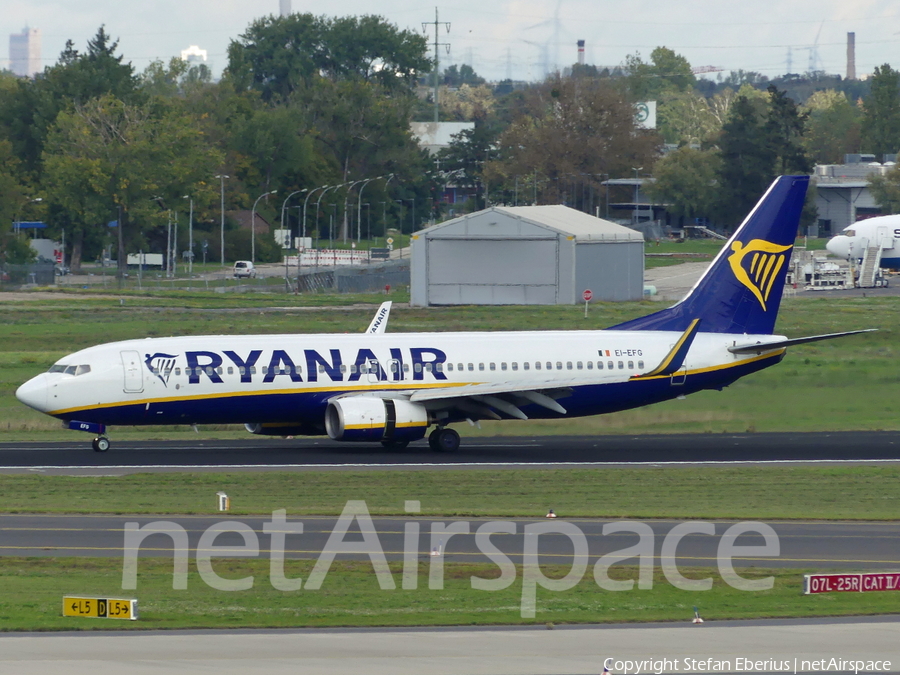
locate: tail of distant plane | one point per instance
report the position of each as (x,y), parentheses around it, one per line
(741,290)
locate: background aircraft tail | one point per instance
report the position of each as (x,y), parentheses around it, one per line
(741,290)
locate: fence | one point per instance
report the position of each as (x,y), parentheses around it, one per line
(36,274)
(356,279)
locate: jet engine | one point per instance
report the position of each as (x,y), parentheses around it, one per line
(366,418)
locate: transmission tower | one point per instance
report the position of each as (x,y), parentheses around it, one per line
(437,46)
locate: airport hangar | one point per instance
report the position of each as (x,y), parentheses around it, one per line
(525,255)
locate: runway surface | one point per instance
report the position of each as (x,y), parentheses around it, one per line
(733,646)
(817,545)
(255,453)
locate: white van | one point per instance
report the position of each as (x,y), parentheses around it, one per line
(244,269)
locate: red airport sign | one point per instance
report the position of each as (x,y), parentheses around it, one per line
(587,294)
(851,583)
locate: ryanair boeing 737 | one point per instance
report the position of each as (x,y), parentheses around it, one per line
(390,388)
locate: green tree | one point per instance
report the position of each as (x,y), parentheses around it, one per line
(13,249)
(881,118)
(666,73)
(833,128)
(457,76)
(463,160)
(748,158)
(685,180)
(107,156)
(75,79)
(565,129)
(278,55)
(886,190)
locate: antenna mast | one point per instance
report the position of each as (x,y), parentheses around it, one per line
(437,45)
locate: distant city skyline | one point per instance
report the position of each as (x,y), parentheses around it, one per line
(518,38)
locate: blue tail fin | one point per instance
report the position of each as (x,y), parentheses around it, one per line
(741,290)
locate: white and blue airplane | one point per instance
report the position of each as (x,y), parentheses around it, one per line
(882,232)
(390,388)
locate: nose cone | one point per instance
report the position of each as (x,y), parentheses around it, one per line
(35,393)
(839,245)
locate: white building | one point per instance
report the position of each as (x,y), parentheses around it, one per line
(194,55)
(25,52)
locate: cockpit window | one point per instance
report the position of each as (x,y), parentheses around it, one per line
(850,233)
(70,370)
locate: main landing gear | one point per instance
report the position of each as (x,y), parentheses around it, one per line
(100,444)
(443,440)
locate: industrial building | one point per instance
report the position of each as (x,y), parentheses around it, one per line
(25,52)
(525,255)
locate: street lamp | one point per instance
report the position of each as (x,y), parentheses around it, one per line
(253,225)
(284,207)
(190,237)
(359,202)
(222,242)
(346,198)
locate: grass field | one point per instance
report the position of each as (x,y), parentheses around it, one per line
(350,596)
(838,385)
(837,493)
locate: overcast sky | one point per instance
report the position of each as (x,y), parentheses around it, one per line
(517,38)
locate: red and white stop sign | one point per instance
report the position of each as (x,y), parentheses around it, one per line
(587,294)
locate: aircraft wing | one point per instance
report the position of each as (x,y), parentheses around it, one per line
(781,344)
(483,398)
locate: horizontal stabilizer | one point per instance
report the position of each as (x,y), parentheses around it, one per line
(766,346)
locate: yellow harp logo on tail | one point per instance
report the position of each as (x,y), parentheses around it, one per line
(756,265)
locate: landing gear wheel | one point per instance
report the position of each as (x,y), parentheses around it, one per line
(447,441)
(433,442)
(100,444)
(395,445)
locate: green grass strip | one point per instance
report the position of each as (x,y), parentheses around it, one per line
(31,591)
(838,493)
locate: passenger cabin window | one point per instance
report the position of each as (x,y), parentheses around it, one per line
(641,365)
(493,366)
(599,365)
(480,366)
(559,365)
(515,366)
(537,365)
(503,366)
(230,370)
(525,365)
(449,366)
(610,365)
(590,365)
(621,365)
(549,365)
(418,367)
(579,365)
(631,365)
(471,366)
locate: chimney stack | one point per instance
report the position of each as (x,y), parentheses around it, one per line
(851,56)
(581,52)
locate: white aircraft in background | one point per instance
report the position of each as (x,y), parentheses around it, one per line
(882,232)
(390,388)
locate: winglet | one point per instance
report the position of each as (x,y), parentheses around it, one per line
(675,358)
(379,322)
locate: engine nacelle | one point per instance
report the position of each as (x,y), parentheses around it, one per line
(366,418)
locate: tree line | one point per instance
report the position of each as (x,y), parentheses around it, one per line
(310,101)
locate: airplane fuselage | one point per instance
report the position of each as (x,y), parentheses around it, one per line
(281,379)
(881,231)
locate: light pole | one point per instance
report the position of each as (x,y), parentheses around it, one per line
(305,201)
(346,199)
(222,177)
(359,202)
(284,207)
(319,201)
(253,225)
(190,237)
(637,214)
